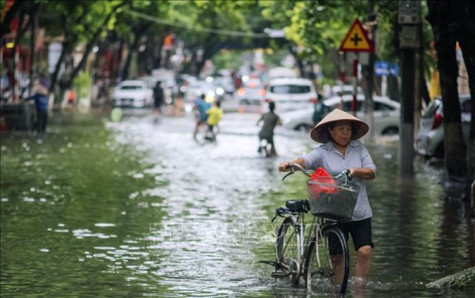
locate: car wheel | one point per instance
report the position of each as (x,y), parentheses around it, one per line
(390,131)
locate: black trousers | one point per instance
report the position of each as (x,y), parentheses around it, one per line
(42,120)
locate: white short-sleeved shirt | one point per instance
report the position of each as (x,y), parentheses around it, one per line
(357,156)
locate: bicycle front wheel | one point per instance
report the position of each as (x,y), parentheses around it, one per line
(327,262)
(288,251)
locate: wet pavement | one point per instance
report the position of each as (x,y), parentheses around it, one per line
(140,208)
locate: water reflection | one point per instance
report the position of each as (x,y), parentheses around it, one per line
(145,210)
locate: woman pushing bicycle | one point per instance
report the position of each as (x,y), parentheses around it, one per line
(340,151)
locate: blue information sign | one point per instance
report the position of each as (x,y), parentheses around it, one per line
(381,68)
(394,69)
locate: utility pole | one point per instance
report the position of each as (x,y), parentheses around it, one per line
(369,69)
(410,21)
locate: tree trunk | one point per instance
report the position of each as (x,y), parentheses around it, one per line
(467,44)
(298,60)
(90,45)
(454,147)
(34,25)
(55,74)
(132,49)
(116,72)
(369,72)
(442,16)
(207,53)
(393,88)
(16,45)
(9,16)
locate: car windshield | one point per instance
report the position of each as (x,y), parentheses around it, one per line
(378,106)
(347,106)
(131,87)
(289,89)
(431,109)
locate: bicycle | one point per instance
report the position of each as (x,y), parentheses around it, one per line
(323,253)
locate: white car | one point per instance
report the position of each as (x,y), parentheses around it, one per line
(282,72)
(430,139)
(132,93)
(345,90)
(152,81)
(386,114)
(199,87)
(250,96)
(290,94)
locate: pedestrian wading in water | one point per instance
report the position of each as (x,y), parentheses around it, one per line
(339,132)
(266,134)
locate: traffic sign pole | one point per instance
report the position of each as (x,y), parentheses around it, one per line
(356,40)
(354,102)
(409,39)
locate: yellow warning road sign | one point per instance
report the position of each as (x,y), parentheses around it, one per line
(356,40)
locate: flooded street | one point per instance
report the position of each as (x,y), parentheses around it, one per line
(139,208)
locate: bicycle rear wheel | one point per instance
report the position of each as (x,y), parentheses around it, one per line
(288,252)
(327,262)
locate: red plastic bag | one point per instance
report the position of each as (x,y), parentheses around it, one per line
(322,176)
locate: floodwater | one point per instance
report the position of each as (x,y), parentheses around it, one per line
(139,208)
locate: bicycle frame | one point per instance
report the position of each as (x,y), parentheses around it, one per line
(306,234)
(298,220)
(308,237)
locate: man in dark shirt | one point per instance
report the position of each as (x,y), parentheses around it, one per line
(158,97)
(41,103)
(271,120)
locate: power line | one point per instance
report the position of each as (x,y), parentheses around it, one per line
(206,30)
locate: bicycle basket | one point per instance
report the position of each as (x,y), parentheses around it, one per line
(334,201)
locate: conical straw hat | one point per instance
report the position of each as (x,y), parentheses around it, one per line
(320,132)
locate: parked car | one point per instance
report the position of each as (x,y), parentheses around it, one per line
(345,90)
(151,81)
(282,72)
(430,139)
(386,114)
(168,76)
(250,96)
(132,93)
(290,94)
(226,83)
(199,87)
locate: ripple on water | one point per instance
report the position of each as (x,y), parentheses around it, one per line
(85,233)
(104,225)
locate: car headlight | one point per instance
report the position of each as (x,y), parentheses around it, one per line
(219,91)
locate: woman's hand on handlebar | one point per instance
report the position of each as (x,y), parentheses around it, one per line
(298,164)
(285,166)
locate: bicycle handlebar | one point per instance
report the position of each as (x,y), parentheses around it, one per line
(296,167)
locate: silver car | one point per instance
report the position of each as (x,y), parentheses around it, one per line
(250,96)
(386,114)
(430,139)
